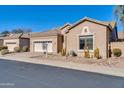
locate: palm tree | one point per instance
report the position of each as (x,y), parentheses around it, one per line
(119,13)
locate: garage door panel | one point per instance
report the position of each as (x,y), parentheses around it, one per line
(38,46)
(50,47)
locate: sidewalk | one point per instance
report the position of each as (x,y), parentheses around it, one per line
(70,65)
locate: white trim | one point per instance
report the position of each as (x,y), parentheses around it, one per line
(42,40)
(85,33)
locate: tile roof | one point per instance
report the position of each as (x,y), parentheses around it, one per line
(112,23)
(16,36)
(67,24)
(108,24)
(46,33)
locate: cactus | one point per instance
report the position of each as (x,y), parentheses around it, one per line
(86,53)
(96,53)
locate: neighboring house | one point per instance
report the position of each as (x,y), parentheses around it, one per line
(16,40)
(49,40)
(86,32)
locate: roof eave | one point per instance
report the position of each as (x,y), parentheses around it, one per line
(67,24)
(44,35)
(85,20)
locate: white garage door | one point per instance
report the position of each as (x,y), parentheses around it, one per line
(38,47)
(11,46)
(42,46)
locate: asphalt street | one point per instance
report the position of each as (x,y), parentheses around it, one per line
(15,74)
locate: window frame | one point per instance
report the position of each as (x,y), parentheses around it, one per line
(85,36)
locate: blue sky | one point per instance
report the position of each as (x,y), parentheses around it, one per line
(40,18)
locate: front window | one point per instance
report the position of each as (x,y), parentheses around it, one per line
(86,41)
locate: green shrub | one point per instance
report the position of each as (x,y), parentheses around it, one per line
(68,54)
(3,47)
(63,52)
(86,53)
(72,53)
(17,49)
(4,51)
(25,48)
(117,52)
(96,53)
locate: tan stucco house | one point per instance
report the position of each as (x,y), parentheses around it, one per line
(86,32)
(93,34)
(16,40)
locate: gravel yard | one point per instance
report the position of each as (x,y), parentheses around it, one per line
(116,62)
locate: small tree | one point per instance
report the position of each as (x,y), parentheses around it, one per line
(119,14)
(5,33)
(16,31)
(63,52)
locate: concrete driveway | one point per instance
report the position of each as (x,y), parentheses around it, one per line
(20,74)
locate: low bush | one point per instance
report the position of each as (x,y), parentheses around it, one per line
(3,47)
(72,53)
(4,51)
(17,49)
(68,54)
(117,52)
(24,48)
(96,53)
(63,52)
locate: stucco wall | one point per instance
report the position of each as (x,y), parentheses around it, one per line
(100,38)
(48,38)
(63,32)
(119,45)
(11,40)
(11,46)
